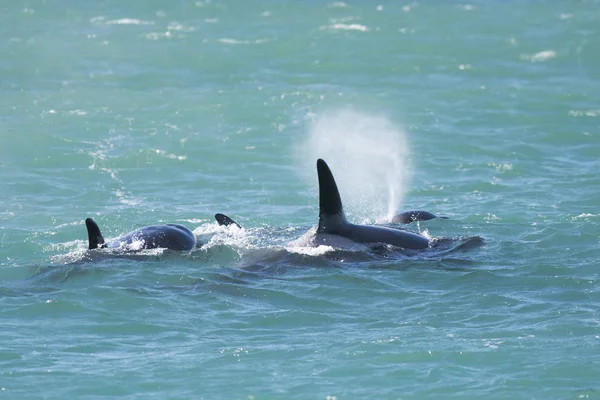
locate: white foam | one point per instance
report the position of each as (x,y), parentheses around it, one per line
(584,113)
(129,21)
(122,21)
(236,41)
(310,251)
(583,216)
(346,27)
(540,56)
(169,155)
(221,235)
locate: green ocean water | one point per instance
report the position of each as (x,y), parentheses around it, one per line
(144,112)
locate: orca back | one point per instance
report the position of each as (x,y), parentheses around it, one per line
(332,219)
(411,216)
(169,236)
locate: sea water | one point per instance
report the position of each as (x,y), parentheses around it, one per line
(143,112)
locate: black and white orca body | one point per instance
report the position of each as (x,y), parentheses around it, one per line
(332,220)
(169,236)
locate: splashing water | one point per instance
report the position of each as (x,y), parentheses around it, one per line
(369,158)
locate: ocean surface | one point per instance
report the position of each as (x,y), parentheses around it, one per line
(144,112)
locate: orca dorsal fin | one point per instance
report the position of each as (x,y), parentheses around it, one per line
(95,237)
(224,220)
(330,203)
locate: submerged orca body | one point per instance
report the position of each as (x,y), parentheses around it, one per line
(332,219)
(169,236)
(412,216)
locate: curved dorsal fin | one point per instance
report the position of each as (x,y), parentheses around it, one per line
(330,203)
(95,237)
(411,216)
(223,219)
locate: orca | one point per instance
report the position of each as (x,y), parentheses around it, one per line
(412,216)
(224,220)
(169,236)
(332,219)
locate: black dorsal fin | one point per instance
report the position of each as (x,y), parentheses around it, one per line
(224,220)
(411,216)
(330,203)
(95,237)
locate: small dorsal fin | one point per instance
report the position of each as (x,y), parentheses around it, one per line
(224,220)
(95,237)
(411,216)
(330,203)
